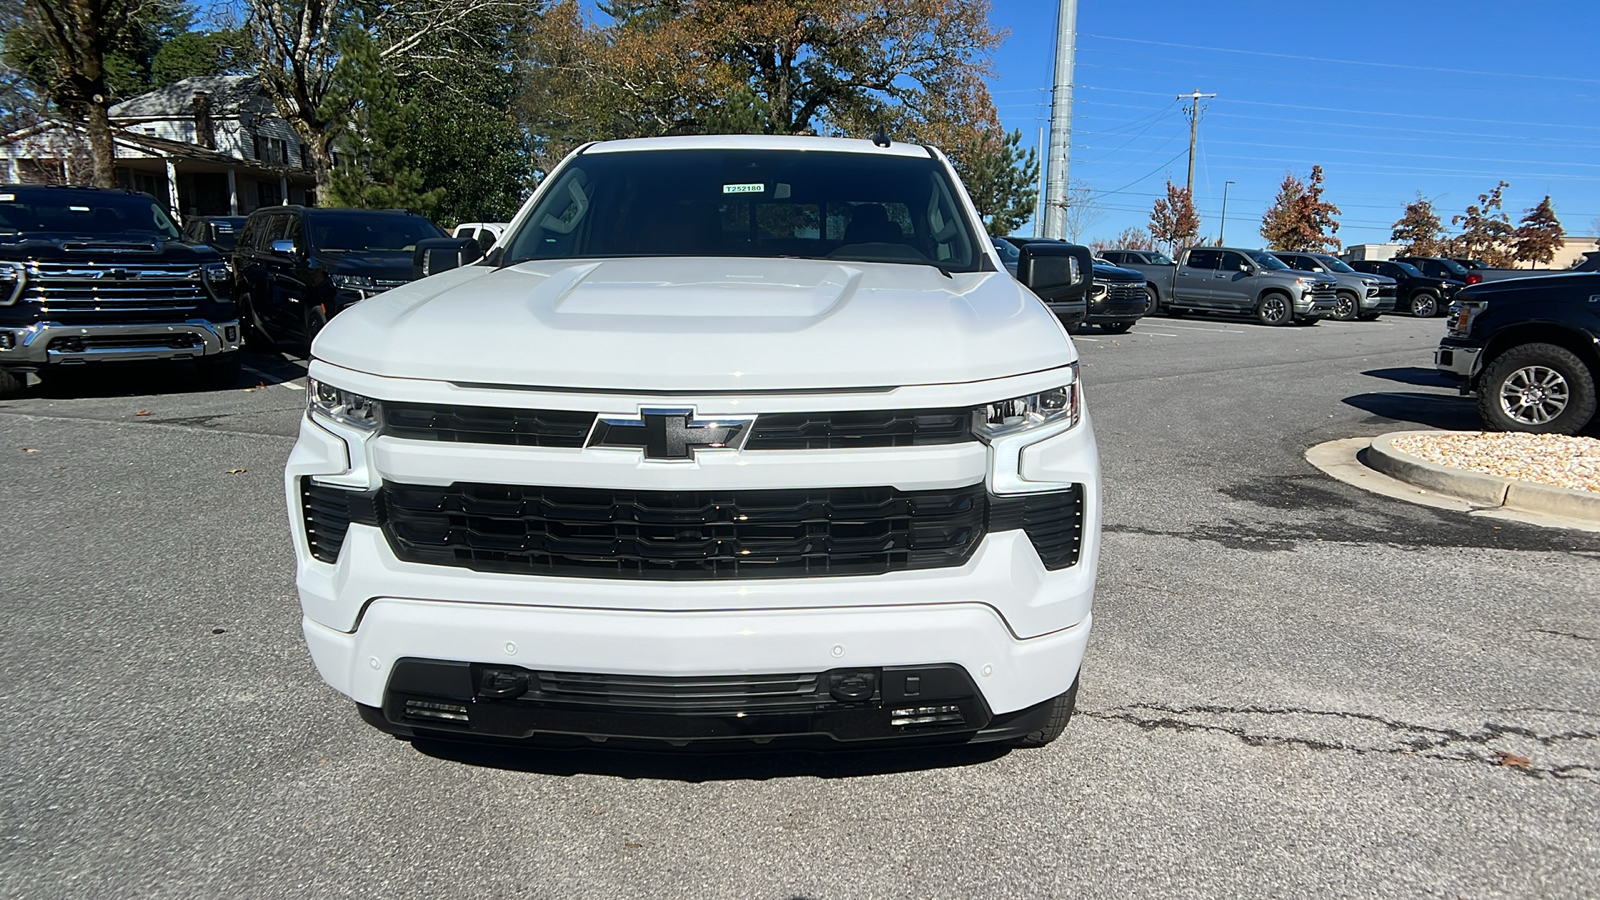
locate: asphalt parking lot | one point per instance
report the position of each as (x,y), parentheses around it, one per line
(1293,689)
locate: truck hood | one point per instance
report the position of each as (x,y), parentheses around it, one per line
(133,248)
(389,265)
(693,324)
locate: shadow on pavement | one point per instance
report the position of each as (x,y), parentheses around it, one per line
(1433,410)
(1415,375)
(156,378)
(691,766)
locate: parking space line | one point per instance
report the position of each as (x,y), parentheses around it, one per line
(1198,328)
(265,377)
(1156,333)
(1077,337)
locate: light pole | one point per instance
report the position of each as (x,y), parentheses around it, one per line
(1223,228)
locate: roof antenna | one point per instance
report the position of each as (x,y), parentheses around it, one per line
(880,138)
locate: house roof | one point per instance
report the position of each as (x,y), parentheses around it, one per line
(230,96)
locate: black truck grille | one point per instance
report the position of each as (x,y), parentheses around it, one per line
(66,288)
(690,535)
(683,535)
(855,429)
(1120,292)
(668,694)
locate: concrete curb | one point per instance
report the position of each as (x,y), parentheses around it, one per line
(1477,488)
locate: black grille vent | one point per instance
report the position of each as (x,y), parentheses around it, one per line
(860,429)
(683,535)
(328,513)
(698,695)
(93,288)
(487,425)
(1053,522)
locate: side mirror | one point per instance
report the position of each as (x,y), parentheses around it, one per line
(1056,273)
(436,255)
(283,247)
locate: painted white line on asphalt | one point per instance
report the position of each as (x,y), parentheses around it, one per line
(1076,338)
(1156,333)
(1199,328)
(265,377)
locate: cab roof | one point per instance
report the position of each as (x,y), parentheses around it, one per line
(758,142)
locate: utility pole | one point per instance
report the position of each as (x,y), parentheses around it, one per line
(1193,109)
(1038,202)
(1223,228)
(1055,198)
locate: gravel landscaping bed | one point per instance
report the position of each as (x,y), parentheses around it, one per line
(1569,462)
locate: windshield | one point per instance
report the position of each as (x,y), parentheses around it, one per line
(750,203)
(86,214)
(1157,258)
(1007,250)
(1334,263)
(1411,270)
(1454,267)
(1268,261)
(383,232)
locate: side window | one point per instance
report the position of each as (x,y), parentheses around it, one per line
(294,230)
(1295,262)
(1113,256)
(1232,262)
(1203,259)
(1391,270)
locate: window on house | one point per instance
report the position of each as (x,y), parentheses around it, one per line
(271,150)
(267,194)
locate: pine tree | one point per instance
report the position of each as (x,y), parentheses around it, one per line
(374,171)
(1173,219)
(1419,230)
(1539,235)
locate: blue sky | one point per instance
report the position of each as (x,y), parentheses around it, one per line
(1390,98)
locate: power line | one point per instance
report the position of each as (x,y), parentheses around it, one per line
(1350,62)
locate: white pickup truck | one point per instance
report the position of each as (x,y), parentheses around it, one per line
(729,439)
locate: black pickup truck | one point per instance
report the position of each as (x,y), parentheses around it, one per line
(91,276)
(1530,348)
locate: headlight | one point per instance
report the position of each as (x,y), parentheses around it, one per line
(218,278)
(12,276)
(351,409)
(1459,317)
(1029,412)
(353,282)
(1098,290)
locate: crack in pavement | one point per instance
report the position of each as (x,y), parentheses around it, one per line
(1565,634)
(1424,741)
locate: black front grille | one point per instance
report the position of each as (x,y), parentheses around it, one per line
(1120,292)
(67,288)
(860,429)
(698,695)
(683,535)
(857,429)
(166,341)
(486,425)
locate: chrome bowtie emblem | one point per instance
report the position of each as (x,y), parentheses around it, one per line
(675,434)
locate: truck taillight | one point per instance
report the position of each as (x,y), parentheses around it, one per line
(1474,278)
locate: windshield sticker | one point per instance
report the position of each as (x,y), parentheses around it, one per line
(744,188)
(78,208)
(8,198)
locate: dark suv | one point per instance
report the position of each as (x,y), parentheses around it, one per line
(1417,294)
(295,268)
(90,276)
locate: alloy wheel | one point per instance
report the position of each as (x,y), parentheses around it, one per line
(1534,395)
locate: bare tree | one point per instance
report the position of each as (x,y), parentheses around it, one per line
(1081,210)
(298,46)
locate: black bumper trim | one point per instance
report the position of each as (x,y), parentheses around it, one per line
(483,703)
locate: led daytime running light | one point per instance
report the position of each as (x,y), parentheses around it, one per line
(342,406)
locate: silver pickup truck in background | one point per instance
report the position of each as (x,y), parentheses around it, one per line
(1233,280)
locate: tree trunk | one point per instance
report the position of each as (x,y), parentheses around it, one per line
(102,153)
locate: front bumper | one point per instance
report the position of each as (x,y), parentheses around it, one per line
(56,343)
(1458,361)
(1383,301)
(962,655)
(1107,311)
(1309,306)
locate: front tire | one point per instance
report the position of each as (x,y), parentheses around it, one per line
(255,340)
(1346,307)
(1424,304)
(218,373)
(12,385)
(1538,389)
(316,320)
(1275,309)
(1061,709)
(1152,300)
